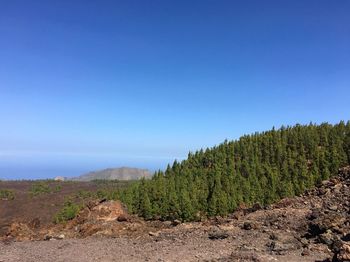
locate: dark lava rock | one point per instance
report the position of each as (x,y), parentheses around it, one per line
(305,252)
(346,237)
(249,225)
(324,222)
(122,218)
(176,222)
(215,235)
(283,243)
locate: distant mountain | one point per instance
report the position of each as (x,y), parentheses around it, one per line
(122,173)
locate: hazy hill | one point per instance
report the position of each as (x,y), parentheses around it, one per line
(123,173)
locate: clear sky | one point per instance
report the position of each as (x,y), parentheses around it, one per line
(93,84)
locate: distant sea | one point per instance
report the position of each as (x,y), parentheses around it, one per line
(32,172)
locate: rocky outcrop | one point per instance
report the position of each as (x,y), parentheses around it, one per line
(98,217)
(329,221)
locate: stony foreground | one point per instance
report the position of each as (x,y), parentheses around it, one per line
(313,227)
(195,246)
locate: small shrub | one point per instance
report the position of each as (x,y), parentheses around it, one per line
(68,212)
(57,188)
(39,188)
(84,194)
(115,184)
(7,194)
(107,194)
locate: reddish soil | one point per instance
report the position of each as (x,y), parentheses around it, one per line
(25,207)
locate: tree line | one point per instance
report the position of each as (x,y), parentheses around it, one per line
(259,168)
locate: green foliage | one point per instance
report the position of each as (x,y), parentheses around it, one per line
(57,188)
(68,212)
(7,194)
(84,194)
(39,188)
(109,194)
(109,189)
(258,168)
(115,184)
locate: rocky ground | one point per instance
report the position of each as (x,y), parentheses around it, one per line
(312,227)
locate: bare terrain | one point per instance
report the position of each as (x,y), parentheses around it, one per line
(311,227)
(25,207)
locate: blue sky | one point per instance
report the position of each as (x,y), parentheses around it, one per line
(93,84)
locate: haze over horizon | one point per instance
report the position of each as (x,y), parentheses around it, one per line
(87,85)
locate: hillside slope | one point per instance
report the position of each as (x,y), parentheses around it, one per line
(259,168)
(122,173)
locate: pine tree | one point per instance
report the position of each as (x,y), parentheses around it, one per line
(172,201)
(187,211)
(145,207)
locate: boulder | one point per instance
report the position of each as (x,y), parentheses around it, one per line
(321,222)
(218,234)
(250,225)
(176,222)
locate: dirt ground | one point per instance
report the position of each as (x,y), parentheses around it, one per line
(185,246)
(25,207)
